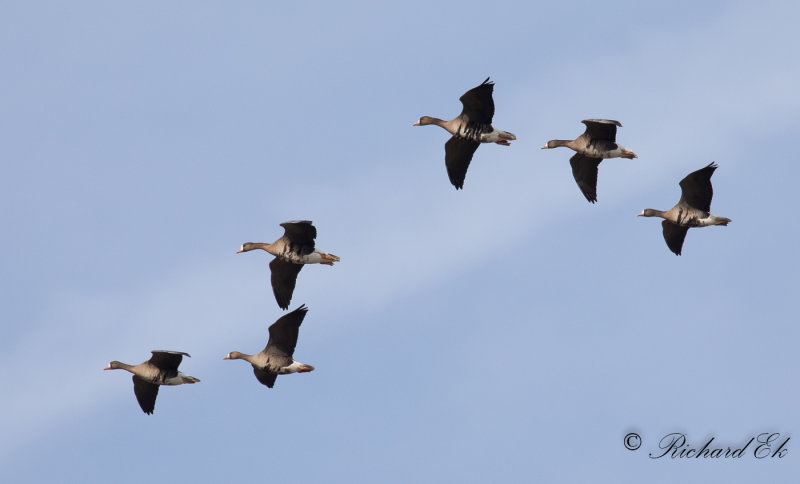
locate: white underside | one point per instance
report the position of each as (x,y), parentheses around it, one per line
(293,368)
(312,258)
(177,380)
(605,154)
(497,135)
(705,222)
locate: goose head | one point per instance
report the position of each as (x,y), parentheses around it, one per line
(114,365)
(555,143)
(245,247)
(425,120)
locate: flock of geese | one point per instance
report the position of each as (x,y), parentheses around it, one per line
(293,250)
(469,129)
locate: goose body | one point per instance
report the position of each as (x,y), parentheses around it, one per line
(293,250)
(277,357)
(692,210)
(597,143)
(160,369)
(469,129)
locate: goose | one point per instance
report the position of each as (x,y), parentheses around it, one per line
(599,141)
(291,251)
(692,210)
(276,358)
(160,369)
(469,129)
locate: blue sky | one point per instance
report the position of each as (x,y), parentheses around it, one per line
(509,332)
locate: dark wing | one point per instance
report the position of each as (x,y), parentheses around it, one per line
(300,235)
(584,170)
(457,155)
(265,377)
(674,235)
(601,129)
(283,333)
(478,103)
(146,394)
(283,277)
(167,361)
(696,188)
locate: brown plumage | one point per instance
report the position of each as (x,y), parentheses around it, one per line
(469,129)
(598,142)
(294,249)
(692,210)
(160,369)
(277,357)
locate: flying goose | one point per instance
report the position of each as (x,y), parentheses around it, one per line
(599,141)
(469,129)
(160,369)
(291,251)
(692,210)
(276,358)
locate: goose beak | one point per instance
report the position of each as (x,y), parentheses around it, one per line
(640,214)
(544,147)
(108,367)
(415,124)
(305,368)
(241,249)
(226,357)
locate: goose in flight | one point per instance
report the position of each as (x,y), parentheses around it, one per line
(692,210)
(160,369)
(276,358)
(599,141)
(294,249)
(469,129)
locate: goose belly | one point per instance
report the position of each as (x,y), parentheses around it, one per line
(175,380)
(593,152)
(292,368)
(312,258)
(696,219)
(707,221)
(496,135)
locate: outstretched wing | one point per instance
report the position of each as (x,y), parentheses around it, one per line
(696,190)
(283,333)
(674,235)
(457,155)
(478,103)
(300,235)
(167,361)
(283,277)
(146,394)
(602,129)
(584,170)
(265,377)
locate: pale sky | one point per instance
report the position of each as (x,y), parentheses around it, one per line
(507,332)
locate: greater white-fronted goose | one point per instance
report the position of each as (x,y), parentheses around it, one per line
(471,128)
(291,251)
(276,358)
(160,369)
(599,141)
(692,210)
